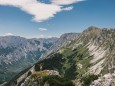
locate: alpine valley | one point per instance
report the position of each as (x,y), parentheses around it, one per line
(74,59)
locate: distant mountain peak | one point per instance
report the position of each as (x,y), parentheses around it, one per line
(92,29)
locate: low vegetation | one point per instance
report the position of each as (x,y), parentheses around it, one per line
(57,81)
(88,79)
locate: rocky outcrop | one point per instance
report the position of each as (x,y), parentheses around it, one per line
(106,80)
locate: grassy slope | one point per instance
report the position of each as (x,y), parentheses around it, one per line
(66,60)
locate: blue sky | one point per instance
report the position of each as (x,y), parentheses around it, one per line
(65,17)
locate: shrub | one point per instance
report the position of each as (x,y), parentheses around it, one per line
(88,79)
(54,80)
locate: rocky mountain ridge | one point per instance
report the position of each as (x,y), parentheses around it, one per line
(83,60)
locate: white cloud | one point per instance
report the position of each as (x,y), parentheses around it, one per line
(68,8)
(8,34)
(40,11)
(41,36)
(42,29)
(65,2)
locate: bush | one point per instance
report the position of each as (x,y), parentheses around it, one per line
(29,73)
(54,80)
(88,79)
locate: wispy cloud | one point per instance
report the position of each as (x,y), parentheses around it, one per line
(8,34)
(42,29)
(40,11)
(65,2)
(68,8)
(41,36)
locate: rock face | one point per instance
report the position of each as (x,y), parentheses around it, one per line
(13,48)
(64,39)
(106,80)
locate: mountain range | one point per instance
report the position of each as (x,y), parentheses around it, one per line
(18,53)
(74,59)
